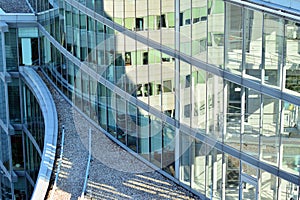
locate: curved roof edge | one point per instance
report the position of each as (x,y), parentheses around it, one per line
(45,100)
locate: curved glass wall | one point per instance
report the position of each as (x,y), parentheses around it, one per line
(229,140)
(21,140)
(21,121)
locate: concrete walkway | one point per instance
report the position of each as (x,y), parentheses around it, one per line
(114,173)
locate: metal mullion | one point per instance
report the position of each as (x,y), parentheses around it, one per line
(136,79)
(2,35)
(281,110)
(263,51)
(191,69)
(243,93)
(191,108)
(207,21)
(148,77)
(161,62)
(177,91)
(22,106)
(126,125)
(9,139)
(190,158)
(225,35)
(114,45)
(89,95)
(224,166)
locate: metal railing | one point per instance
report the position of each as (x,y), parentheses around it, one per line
(88,165)
(59,162)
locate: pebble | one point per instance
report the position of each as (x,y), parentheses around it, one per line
(14,6)
(114,172)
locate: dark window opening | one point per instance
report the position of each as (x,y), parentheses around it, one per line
(195,20)
(203,18)
(148,89)
(127,58)
(145,58)
(187,21)
(161,21)
(167,86)
(187,110)
(165,59)
(180,19)
(187,81)
(139,24)
(139,90)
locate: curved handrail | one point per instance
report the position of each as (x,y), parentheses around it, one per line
(46,103)
(59,162)
(88,165)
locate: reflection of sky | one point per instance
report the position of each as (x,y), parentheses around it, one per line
(288,4)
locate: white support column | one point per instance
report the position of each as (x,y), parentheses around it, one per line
(177,91)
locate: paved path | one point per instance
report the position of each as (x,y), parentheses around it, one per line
(114,173)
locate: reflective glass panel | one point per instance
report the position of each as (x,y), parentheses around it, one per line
(274,41)
(234,38)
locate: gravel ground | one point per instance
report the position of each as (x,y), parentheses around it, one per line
(114,173)
(14,6)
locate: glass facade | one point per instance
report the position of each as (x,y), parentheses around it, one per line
(205,90)
(19,154)
(251,44)
(22,126)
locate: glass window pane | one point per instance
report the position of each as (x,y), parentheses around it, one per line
(156,140)
(198,167)
(185,26)
(268,188)
(5,150)
(185,159)
(232,171)
(233,116)
(234,38)
(167,88)
(199,99)
(215,37)
(288,190)
(122,119)
(290,140)
(199,29)
(143,133)
(111,112)
(292,39)
(273,35)
(214,106)
(213,172)
(132,126)
(185,93)
(102,106)
(253,21)
(168,157)
(252,123)
(3,100)
(11,50)
(270,130)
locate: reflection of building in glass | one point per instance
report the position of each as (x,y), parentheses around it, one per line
(205,90)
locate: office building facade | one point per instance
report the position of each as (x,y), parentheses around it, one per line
(28,119)
(206,91)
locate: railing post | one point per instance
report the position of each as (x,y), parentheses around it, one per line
(59,162)
(88,165)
